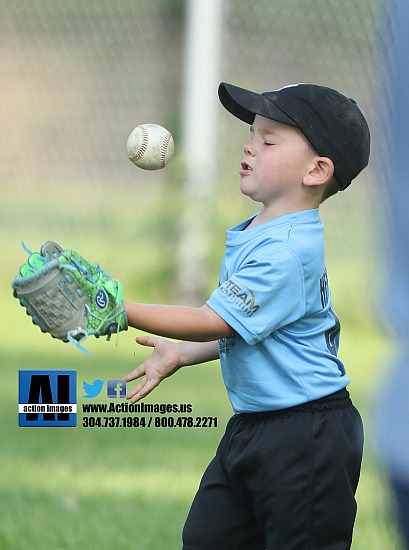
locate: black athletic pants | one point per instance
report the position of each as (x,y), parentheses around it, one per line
(281,480)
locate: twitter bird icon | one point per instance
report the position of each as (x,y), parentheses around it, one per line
(94,389)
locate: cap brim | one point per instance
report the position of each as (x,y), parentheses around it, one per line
(244,105)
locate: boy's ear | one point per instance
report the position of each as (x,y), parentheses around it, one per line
(321,172)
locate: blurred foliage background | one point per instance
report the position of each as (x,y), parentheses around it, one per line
(76,77)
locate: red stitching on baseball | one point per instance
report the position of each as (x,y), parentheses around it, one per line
(164,149)
(144,145)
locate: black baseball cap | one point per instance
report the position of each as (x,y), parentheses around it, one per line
(332,123)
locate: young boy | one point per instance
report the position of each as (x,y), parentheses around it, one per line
(286,471)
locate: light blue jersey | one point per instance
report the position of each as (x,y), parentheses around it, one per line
(274,293)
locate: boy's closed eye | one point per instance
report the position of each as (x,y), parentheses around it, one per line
(265,134)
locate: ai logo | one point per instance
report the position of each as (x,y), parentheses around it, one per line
(47,398)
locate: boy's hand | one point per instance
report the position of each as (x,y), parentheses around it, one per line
(163,362)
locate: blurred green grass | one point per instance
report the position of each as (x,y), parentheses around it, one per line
(105,488)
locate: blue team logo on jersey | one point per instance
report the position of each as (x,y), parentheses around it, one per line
(101,299)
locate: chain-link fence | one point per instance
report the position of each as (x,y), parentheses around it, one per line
(76,77)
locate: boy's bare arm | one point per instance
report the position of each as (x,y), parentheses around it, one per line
(166,359)
(179,322)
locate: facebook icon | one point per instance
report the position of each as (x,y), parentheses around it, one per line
(116,389)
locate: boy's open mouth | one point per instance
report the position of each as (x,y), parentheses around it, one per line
(245,168)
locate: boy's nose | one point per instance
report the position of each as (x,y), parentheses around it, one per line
(248,149)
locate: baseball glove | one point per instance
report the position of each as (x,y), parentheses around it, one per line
(69,297)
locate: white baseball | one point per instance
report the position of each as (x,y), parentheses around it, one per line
(150,146)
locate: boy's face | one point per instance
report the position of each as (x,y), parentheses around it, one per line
(275,161)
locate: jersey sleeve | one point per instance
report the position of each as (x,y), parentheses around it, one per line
(265,292)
